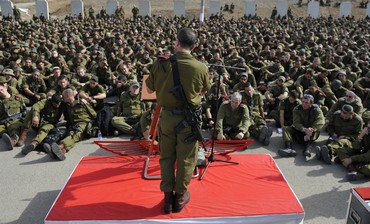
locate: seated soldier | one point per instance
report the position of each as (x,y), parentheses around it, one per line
(284,116)
(357,158)
(78,114)
(307,123)
(343,127)
(34,87)
(94,93)
(351,99)
(11,111)
(233,119)
(43,116)
(254,102)
(275,94)
(129,110)
(63,84)
(80,78)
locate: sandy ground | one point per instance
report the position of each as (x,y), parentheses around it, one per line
(60,8)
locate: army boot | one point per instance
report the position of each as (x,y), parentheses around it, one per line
(307,149)
(168,202)
(325,154)
(180,201)
(29,148)
(59,151)
(288,151)
(22,137)
(10,141)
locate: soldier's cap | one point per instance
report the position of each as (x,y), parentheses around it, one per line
(302,51)
(18,69)
(3,80)
(34,50)
(56,98)
(17,46)
(348,109)
(146,52)
(95,78)
(56,68)
(367,74)
(36,70)
(281,78)
(8,71)
(336,84)
(366,117)
(243,74)
(341,72)
(135,84)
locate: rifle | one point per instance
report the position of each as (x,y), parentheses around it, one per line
(12,117)
(192,116)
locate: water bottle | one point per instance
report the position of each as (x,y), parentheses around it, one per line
(100,136)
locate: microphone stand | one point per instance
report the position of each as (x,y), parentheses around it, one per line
(211,157)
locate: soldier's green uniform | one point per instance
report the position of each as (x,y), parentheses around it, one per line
(312,117)
(348,129)
(77,117)
(288,108)
(98,89)
(131,110)
(359,154)
(230,122)
(194,79)
(36,86)
(258,123)
(9,107)
(356,104)
(48,114)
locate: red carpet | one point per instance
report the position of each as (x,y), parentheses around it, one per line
(112,190)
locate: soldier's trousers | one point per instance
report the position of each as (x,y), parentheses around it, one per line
(347,152)
(291,134)
(74,135)
(43,131)
(335,146)
(11,127)
(123,124)
(173,150)
(257,124)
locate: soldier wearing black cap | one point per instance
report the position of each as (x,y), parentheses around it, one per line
(343,128)
(357,158)
(44,116)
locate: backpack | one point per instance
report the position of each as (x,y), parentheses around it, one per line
(55,135)
(103,121)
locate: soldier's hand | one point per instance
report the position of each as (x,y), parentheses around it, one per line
(38,97)
(240,135)
(35,121)
(220,136)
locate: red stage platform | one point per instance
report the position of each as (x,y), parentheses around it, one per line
(112,190)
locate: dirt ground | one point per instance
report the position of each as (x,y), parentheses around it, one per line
(60,8)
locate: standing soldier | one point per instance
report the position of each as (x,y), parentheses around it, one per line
(11,110)
(78,115)
(307,123)
(16,13)
(135,11)
(91,12)
(44,116)
(193,76)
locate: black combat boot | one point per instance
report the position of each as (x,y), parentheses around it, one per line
(180,201)
(168,202)
(288,151)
